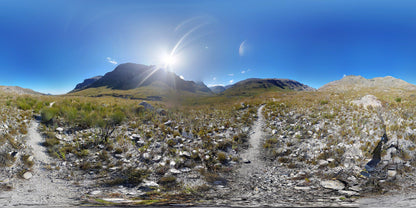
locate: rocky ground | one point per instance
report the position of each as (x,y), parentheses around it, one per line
(279,153)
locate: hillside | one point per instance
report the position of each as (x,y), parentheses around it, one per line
(134,77)
(356,83)
(255,86)
(86,83)
(217,89)
(18,90)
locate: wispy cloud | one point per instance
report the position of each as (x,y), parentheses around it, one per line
(243,72)
(231,81)
(112,61)
(230,75)
(241,50)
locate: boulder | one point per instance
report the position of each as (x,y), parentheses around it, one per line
(333,184)
(161,112)
(146,106)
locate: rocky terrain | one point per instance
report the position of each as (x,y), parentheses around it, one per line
(276,149)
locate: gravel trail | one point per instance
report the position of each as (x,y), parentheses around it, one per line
(253,153)
(42,189)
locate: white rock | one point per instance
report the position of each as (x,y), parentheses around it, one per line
(184,153)
(335,185)
(303,188)
(349,193)
(59,129)
(157,158)
(322,162)
(274,131)
(391,173)
(174,171)
(172,163)
(27,175)
(96,192)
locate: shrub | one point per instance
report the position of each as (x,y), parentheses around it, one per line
(222,157)
(168,182)
(48,114)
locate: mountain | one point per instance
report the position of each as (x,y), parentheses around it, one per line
(217,89)
(356,83)
(86,83)
(18,90)
(254,86)
(130,76)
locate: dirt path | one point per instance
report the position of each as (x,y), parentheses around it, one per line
(253,153)
(42,189)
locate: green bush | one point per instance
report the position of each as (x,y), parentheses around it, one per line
(48,114)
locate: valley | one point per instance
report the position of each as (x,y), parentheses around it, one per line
(282,148)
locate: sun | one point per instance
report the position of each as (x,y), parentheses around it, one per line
(169,60)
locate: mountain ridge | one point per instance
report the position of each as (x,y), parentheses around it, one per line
(130,76)
(357,82)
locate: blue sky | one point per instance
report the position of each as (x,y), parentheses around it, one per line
(50,46)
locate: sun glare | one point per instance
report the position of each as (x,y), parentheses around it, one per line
(169,60)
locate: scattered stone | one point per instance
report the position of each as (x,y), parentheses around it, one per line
(146,106)
(175,171)
(185,154)
(391,173)
(96,192)
(27,175)
(157,158)
(333,184)
(60,130)
(303,188)
(349,193)
(322,162)
(148,186)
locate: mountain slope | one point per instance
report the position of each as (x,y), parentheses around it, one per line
(86,83)
(217,89)
(254,86)
(139,79)
(356,83)
(18,90)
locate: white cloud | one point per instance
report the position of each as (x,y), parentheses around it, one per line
(112,61)
(181,77)
(214,78)
(231,81)
(241,50)
(344,75)
(242,72)
(214,85)
(230,75)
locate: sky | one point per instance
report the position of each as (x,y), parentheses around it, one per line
(50,46)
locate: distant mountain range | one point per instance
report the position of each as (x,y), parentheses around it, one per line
(355,83)
(254,86)
(139,81)
(131,76)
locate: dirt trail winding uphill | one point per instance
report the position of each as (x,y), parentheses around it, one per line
(42,189)
(253,153)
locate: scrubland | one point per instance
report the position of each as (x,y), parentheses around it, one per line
(165,152)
